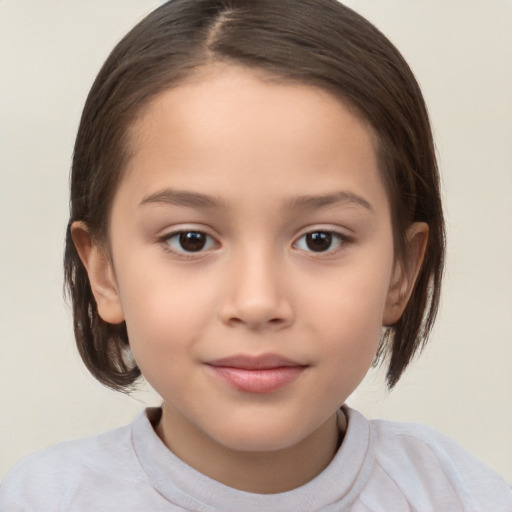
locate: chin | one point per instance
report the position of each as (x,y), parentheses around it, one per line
(256,437)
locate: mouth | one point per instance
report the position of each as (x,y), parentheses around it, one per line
(262,374)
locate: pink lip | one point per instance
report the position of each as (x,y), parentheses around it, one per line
(264,374)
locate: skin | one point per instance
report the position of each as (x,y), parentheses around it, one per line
(256,149)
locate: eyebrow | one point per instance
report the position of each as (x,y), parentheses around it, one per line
(199,200)
(312,202)
(183,198)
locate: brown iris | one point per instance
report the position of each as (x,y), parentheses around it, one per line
(192,241)
(319,241)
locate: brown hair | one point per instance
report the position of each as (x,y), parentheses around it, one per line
(317,42)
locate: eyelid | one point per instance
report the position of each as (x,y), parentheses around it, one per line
(178,230)
(343,237)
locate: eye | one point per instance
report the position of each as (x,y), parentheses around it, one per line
(320,241)
(184,242)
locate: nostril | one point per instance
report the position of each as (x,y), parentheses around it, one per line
(255,319)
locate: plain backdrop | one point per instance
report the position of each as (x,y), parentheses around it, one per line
(461,52)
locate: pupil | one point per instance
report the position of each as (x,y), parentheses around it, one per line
(319,242)
(192,241)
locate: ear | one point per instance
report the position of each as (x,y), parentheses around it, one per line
(406,272)
(101,274)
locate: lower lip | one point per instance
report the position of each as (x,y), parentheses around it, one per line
(258,381)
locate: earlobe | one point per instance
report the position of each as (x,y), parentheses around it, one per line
(405,273)
(101,274)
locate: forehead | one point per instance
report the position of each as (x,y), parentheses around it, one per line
(230,127)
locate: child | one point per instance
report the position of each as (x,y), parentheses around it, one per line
(255,219)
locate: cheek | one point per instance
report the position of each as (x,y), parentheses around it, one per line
(163,331)
(165,311)
(354,300)
(349,314)
(349,351)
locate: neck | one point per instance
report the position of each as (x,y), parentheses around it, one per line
(265,472)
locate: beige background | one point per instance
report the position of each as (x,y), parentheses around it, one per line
(461,51)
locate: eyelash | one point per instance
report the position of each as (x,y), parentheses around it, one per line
(329,235)
(166,240)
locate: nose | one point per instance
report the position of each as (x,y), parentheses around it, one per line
(255,295)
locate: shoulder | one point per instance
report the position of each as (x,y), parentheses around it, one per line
(418,445)
(49,477)
(427,466)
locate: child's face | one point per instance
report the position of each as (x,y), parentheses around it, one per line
(252,229)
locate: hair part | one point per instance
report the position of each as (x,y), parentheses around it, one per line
(316,42)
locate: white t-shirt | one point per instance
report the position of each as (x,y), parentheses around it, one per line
(381,467)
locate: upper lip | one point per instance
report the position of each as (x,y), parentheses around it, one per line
(263,362)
